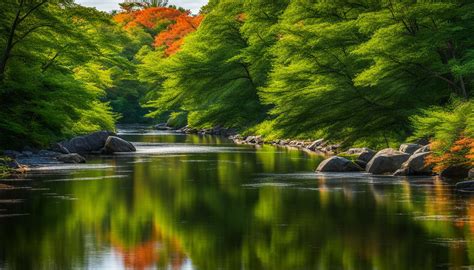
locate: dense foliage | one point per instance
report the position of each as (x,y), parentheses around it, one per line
(358,72)
(355,72)
(57,59)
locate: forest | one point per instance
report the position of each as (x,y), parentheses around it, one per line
(357,72)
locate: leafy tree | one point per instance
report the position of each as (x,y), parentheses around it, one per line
(55,72)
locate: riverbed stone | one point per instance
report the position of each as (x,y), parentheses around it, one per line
(387,161)
(115,144)
(92,143)
(338,164)
(467,186)
(314,145)
(364,153)
(409,148)
(71,158)
(416,164)
(455,172)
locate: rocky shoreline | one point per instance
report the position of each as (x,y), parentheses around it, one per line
(71,151)
(408,160)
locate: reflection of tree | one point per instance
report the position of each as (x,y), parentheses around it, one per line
(159,217)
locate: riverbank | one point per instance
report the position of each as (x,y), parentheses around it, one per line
(409,159)
(71,151)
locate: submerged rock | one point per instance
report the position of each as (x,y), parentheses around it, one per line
(92,143)
(338,164)
(387,161)
(409,148)
(467,186)
(71,158)
(455,172)
(116,144)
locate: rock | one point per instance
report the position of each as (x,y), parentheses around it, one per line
(338,164)
(364,154)
(416,164)
(162,126)
(116,144)
(87,144)
(409,148)
(455,172)
(467,186)
(424,149)
(57,147)
(71,158)
(386,161)
(361,163)
(402,172)
(314,145)
(470,175)
(254,140)
(46,153)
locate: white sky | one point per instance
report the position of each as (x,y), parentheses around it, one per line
(108,5)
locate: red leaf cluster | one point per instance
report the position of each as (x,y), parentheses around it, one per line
(173,37)
(148,18)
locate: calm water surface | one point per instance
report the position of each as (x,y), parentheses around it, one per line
(191,202)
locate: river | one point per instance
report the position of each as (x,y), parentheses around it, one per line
(201,202)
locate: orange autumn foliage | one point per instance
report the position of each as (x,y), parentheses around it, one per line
(173,37)
(148,18)
(461,152)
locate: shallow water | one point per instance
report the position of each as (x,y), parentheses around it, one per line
(191,202)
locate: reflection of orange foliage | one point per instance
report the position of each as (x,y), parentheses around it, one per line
(460,153)
(148,18)
(174,36)
(145,255)
(140,257)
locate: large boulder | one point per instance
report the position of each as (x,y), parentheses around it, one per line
(338,164)
(416,164)
(409,148)
(387,161)
(455,172)
(116,144)
(92,143)
(71,158)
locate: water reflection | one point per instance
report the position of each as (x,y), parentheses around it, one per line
(229,207)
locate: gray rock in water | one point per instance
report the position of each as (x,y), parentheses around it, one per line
(364,154)
(416,164)
(387,161)
(71,158)
(88,143)
(455,172)
(314,145)
(402,172)
(361,163)
(338,164)
(471,174)
(409,148)
(116,144)
(467,186)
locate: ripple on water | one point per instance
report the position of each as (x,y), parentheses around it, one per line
(88,178)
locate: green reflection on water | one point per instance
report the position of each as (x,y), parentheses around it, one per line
(226,209)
